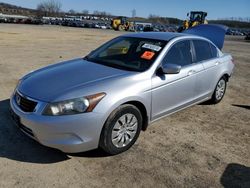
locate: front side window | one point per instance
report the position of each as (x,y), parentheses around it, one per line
(128,53)
(180,54)
(202,50)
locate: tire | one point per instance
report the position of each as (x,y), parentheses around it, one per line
(121,28)
(219,91)
(121,129)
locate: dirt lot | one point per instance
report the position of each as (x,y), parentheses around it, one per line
(203,146)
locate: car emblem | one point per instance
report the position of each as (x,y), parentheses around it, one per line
(18,99)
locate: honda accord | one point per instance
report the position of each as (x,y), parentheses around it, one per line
(105,99)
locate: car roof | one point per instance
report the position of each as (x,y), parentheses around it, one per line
(166,36)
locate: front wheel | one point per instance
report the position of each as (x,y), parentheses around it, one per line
(219,91)
(121,28)
(121,130)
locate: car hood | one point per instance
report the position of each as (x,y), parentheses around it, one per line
(50,82)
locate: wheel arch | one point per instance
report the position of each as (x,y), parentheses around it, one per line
(141,107)
(143,111)
(226,76)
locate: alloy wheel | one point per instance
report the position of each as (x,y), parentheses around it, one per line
(220,89)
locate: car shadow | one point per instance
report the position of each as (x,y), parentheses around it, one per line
(97,153)
(242,106)
(16,146)
(236,175)
(206,103)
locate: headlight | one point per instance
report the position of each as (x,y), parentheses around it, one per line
(74,106)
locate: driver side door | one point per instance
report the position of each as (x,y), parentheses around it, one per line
(171,92)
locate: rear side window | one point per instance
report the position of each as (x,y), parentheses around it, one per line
(214,51)
(180,54)
(202,50)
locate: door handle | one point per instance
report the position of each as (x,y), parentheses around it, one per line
(217,63)
(191,72)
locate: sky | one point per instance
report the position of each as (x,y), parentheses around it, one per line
(216,9)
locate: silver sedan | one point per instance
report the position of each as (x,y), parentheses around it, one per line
(106,98)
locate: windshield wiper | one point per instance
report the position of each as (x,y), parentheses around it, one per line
(109,64)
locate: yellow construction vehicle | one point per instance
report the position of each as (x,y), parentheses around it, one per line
(194,18)
(121,24)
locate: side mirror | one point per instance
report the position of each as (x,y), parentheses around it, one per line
(170,68)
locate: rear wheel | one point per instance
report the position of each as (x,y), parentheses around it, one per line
(121,130)
(219,91)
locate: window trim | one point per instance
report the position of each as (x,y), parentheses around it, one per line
(215,48)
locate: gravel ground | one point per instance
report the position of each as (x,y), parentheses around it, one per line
(202,146)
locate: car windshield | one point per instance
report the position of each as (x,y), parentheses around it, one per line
(128,53)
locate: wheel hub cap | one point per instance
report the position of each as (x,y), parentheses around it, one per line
(220,89)
(124,130)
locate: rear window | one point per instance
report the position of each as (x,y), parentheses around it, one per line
(202,50)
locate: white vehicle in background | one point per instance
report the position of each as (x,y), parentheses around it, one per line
(103,26)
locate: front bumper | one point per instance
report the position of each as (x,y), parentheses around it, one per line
(70,134)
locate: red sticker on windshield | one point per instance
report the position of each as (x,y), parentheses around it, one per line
(147,55)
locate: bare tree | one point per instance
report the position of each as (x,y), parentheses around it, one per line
(103,13)
(96,12)
(49,7)
(133,13)
(41,10)
(161,20)
(71,11)
(85,12)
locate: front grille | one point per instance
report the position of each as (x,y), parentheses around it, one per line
(25,104)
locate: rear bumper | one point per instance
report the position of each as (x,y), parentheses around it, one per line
(70,134)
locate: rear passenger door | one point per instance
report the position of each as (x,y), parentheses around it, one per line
(207,55)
